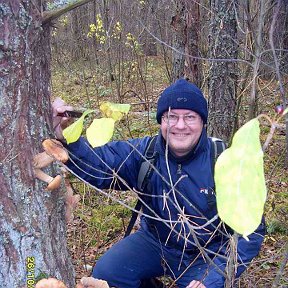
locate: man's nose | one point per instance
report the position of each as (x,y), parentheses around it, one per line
(180,123)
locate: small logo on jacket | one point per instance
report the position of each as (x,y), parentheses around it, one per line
(204,190)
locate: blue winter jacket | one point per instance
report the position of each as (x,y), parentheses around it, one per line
(177,195)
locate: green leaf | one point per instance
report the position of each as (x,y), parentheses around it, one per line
(73,132)
(240,182)
(285,111)
(113,110)
(100,131)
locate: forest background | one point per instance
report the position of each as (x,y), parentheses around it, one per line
(88,52)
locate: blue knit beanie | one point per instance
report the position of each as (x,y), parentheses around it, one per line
(182,95)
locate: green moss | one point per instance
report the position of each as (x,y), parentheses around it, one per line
(104,221)
(41,275)
(275,226)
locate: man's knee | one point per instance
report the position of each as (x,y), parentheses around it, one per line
(115,275)
(102,271)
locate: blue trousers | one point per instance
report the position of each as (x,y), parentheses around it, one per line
(140,256)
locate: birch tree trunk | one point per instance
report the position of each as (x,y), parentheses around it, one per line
(32,222)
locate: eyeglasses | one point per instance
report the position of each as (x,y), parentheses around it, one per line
(172,119)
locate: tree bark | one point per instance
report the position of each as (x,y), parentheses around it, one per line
(179,41)
(148,17)
(32,222)
(223,74)
(193,67)
(187,41)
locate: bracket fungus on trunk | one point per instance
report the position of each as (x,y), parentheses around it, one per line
(50,283)
(54,150)
(85,282)
(53,183)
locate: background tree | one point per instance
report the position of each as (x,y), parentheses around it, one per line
(148,17)
(222,85)
(186,42)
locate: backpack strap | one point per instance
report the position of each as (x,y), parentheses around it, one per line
(146,166)
(217,146)
(144,175)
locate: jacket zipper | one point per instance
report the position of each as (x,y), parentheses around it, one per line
(179,169)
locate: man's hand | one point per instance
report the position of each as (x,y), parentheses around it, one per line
(195,284)
(59,122)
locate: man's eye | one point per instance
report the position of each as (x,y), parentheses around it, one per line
(173,117)
(190,117)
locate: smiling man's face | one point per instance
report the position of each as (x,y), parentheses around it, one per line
(182,129)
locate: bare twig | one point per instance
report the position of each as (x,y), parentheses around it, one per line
(231,266)
(281,269)
(274,124)
(194,57)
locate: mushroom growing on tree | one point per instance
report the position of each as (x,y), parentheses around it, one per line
(54,150)
(53,183)
(71,201)
(90,282)
(42,160)
(50,283)
(85,282)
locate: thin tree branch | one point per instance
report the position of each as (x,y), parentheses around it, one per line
(193,57)
(49,16)
(281,269)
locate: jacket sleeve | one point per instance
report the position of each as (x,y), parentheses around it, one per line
(246,251)
(114,165)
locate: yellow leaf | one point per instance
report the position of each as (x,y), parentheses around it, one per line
(116,115)
(73,132)
(240,183)
(114,110)
(100,131)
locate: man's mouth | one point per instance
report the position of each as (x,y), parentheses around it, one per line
(180,135)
